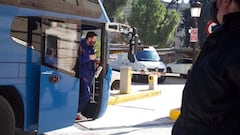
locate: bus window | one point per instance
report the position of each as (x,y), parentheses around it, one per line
(26,31)
(61,41)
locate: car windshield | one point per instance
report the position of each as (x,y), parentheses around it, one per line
(147,56)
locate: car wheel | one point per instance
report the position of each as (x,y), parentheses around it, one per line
(169,70)
(115,85)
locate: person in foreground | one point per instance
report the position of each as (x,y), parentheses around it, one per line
(86,71)
(211,96)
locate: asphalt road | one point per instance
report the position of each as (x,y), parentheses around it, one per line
(174,80)
(139,117)
(168,80)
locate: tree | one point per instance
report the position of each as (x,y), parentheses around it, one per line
(114,7)
(168,28)
(155,24)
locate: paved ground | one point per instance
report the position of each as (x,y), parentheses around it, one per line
(135,93)
(136,117)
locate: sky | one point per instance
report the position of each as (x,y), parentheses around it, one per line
(179,0)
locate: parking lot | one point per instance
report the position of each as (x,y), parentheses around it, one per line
(137,117)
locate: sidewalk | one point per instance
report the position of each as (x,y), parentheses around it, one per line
(136,92)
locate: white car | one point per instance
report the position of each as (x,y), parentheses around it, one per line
(181,66)
(146,60)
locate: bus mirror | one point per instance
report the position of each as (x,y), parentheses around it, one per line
(131,53)
(131,57)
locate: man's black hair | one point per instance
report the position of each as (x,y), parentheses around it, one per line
(91,34)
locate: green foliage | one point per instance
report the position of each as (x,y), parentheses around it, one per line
(114,7)
(154,23)
(166,33)
(187,24)
(97,47)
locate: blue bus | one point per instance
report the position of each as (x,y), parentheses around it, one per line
(36,96)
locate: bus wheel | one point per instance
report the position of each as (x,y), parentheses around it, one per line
(7,118)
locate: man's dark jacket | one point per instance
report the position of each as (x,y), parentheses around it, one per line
(211,97)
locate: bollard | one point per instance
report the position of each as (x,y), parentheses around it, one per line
(126,79)
(152,82)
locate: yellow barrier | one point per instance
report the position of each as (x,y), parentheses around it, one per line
(174,113)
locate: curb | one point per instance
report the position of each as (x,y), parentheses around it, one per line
(120,98)
(174,113)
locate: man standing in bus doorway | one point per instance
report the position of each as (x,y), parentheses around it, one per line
(211,96)
(86,71)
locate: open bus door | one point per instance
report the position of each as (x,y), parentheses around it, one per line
(58,101)
(59,89)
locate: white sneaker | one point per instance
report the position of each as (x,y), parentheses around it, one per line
(80,117)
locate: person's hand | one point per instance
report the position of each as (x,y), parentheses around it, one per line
(92,57)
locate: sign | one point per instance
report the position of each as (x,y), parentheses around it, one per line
(194,35)
(210,26)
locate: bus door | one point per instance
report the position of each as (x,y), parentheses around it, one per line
(59,88)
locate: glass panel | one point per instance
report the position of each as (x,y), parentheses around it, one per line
(26,31)
(61,44)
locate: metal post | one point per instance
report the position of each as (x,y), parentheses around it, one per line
(195,13)
(195,44)
(194,49)
(126,79)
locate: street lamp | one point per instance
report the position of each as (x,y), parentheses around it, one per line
(195,14)
(196,9)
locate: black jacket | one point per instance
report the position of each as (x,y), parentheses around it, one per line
(211,97)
